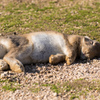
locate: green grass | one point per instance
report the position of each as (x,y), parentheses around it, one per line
(35,90)
(2,81)
(9,86)
(54,88)
(27,17)
(76,88)
(82,19)
(73,97)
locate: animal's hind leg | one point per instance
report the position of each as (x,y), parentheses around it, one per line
(3,65)
(55,59)
(15,57)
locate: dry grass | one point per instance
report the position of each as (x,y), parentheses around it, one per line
(65,16)
(76,88)
(69,3)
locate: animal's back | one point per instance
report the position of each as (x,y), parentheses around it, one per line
(46,44)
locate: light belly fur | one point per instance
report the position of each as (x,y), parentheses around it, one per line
(45,45)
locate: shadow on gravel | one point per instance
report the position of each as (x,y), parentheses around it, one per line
(44,68)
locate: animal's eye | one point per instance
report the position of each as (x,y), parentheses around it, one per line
(91,42)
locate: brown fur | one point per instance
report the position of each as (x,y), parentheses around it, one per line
(17,50)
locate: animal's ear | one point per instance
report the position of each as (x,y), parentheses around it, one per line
(95,42)
(86,37)
(87,40)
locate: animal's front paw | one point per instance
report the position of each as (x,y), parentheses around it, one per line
(55,59)
(52,59)
(3,65)
(69,60)
(17,67)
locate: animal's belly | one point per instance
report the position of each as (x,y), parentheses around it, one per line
(42,55)
(44,46)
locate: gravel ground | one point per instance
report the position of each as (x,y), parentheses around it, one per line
(49,74)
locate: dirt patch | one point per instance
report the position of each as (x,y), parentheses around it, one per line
(60,82)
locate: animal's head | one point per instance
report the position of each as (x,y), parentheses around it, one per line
(89,48)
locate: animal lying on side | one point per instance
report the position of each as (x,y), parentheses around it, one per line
(41,47)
